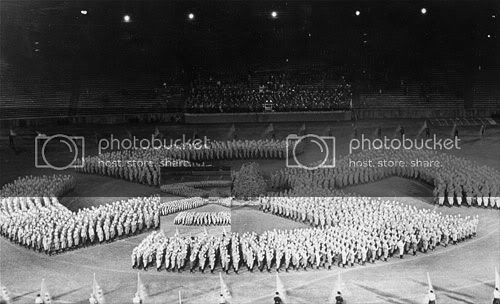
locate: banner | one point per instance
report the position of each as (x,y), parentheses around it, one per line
(224,290)
(97,292)
(141,289)
(44,293)
(280,287)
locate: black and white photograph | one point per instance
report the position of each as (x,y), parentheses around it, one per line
(249,152)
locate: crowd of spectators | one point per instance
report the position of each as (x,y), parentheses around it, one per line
(271,91)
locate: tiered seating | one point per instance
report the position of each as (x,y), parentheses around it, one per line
(440,91)
(486,88)
(287,90)
(106,95)
(32,95)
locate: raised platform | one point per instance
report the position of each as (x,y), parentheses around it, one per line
(217,118)
(88,119)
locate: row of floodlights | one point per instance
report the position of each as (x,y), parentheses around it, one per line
(273,14)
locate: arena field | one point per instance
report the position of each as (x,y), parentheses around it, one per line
(461,274)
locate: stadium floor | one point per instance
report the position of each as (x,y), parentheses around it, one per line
(461,274)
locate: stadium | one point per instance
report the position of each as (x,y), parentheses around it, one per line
(249,152)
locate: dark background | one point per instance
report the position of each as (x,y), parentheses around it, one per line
(389,38)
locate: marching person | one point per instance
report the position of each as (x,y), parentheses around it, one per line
(38,299)
(496,296)
(277,298)
(222,299)
(92,299)
(431,297)
(12,136)
(137,299)
(338,298)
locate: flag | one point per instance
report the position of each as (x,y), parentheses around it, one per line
(425,298)
(224,290)
(269,129)
(205,231)
(429,282)
(328,131)
(44,293)
(280,287)
(396,132)
(482,130)
(231,132)
(422,129)
(497,279)
(453,129)
(339,286)
(97,292)
(302,129)
(141,289)
(157,131)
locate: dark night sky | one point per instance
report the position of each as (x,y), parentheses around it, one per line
(390,35)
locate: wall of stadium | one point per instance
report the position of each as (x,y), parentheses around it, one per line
(359,113)
(266,117)
(430,112)
(87,119)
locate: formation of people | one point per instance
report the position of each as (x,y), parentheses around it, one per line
(347,231)
(31,215)
(221,218)
(174,206)
(456,180)
(143,165)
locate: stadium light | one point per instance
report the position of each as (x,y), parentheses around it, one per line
(126,18)
(423,11)
(83,12)
(190,16)
(489,36)
(274,14)
(358,13)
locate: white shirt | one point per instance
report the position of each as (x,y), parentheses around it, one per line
(496,294)
(432,296)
